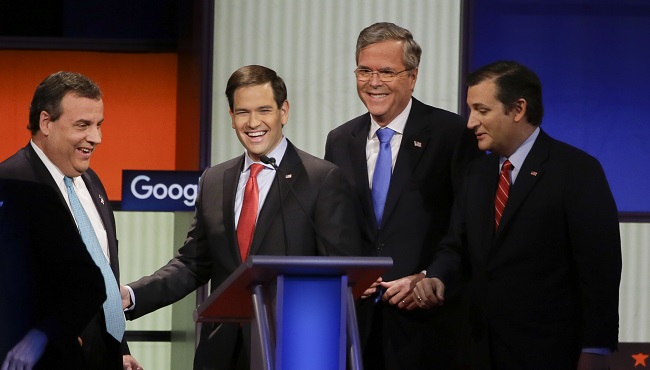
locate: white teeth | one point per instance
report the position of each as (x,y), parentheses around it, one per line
(256,134)
(378,95)
(85,150)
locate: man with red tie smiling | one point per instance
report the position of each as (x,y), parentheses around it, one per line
(243,209)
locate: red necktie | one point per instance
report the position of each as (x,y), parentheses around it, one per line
(502,192)
(248,215)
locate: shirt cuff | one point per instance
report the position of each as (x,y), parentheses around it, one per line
(597,351)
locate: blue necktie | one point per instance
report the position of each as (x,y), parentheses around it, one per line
(113,313)
(383,170)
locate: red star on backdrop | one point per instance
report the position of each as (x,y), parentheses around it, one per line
(640,359)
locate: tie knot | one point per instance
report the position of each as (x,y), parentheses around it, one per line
(67,181)
(384,135)
(256,168)
(507,166)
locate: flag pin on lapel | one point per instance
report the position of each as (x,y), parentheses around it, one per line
(288,176)
(417,144)
(534,173)
(101,199)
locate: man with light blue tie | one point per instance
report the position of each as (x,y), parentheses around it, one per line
(405,161)
(65,119)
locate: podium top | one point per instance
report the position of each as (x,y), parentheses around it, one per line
(231,301)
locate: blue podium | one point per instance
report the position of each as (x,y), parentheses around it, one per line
(301,308)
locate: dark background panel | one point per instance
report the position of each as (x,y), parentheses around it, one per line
(592,57)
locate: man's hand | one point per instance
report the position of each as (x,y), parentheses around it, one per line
(129,363)
(126,298)
(429,293)
(27,352)
(398,292)
(373,288)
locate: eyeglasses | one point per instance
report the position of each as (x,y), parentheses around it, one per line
(364,75)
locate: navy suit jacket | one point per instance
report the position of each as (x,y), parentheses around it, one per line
(45,270)
(211,252)
(545,284)
(435,150)
(97,343)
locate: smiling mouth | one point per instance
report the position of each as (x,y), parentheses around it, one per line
(85,150)
(377,96)
(256,134)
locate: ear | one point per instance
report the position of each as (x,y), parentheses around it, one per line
(519,109)
(414,78)
(232,118)
(44,122)
(284,112)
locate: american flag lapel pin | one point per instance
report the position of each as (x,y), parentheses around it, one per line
(101,199)
(417,144)
(287,176)
(534,173)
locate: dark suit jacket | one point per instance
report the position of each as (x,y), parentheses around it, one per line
(45,270)
(430,165)
(101,350)
(211,252)
(546,283)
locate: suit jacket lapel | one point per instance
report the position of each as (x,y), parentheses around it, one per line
(359,163)
(99,200)
(483,188)
(414,142)
(271,209)
(230,182)
(529,174)
(41,172)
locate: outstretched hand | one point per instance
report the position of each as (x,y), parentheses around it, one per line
(398,292)
(126,297)
(27,352)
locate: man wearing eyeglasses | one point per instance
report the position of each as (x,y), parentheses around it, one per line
(405,160)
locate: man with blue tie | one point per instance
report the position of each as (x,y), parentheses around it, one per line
(65,119)
(405,161)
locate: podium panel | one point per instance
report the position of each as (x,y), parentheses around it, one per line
(310,321)
(301,308)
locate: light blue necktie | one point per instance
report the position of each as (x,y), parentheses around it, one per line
(383,170)
(113,313)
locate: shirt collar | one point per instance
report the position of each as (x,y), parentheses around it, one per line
(56,173)
(396,125)
(519,156)
(277,153)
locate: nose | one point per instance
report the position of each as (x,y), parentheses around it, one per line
(472,122)
(375,80)
(254,120)
(94,134)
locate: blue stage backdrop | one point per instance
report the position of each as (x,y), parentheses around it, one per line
(592,57)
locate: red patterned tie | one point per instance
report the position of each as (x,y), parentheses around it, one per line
(248,215)
(502,192)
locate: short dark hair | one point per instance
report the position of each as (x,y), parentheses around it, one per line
(52,89)
(384,31)
(256,75)
(513,81)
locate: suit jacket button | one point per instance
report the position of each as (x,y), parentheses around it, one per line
(380,247)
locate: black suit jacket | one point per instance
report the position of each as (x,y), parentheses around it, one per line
(545,284)
(45,270)
(101,350)
(434,152)
(211,252)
